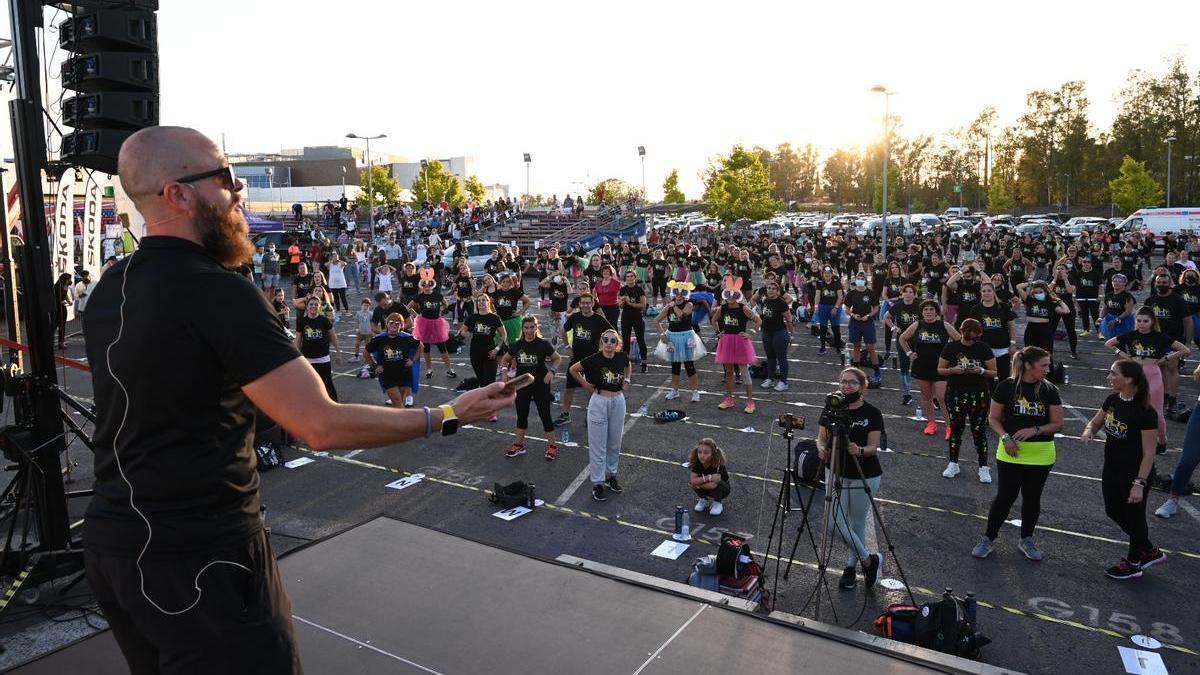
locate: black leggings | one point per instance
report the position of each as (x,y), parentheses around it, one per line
(658,287)
(1116,481)
(1017,479)
(339,299)
(611,313)
(1040,335)
(1089,311)
(968,408)
(638,328)
(837,335)
(325,370)
(484,367)
(689,366)
(539,393)
(1068,321)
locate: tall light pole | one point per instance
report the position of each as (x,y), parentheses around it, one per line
(1170,146)
(370,185)
(528,161)
(887,149)
(642,154)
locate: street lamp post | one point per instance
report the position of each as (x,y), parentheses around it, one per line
(1170,146)
(370,186)
(642,154)
(528,161)
(887,149)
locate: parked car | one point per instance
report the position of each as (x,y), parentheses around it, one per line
(478,253)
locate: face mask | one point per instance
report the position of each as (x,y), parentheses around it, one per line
(853,398)
(1039,296)
(861,283)
(1163,290)
(1070,266)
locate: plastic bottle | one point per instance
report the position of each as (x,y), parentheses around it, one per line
(531,501)
(971,604)
(682,526)
(566,436)
(920,412)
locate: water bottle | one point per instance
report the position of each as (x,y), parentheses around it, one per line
(634,353)
(557,394)
(682,527)
(971,604)
(566,436)
(644,411)
(920,412)
(531,501)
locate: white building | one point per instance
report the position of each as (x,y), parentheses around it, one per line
(406,172)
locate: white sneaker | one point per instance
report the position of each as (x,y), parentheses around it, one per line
(353,359)
(701,505)
(768,383)
(781,386)
(951,471)
(716,509)
(985,474)
(1168,509)
(695,397)
(408,401)
(672,395)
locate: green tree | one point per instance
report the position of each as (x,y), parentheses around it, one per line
(1000,200)
(671,192)
(740,188)
(1134,188)
(475,189)
(434,184)
(893,191)
(843,173)
(613,190)
(386,188)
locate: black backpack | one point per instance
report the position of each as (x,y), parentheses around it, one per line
(946,627)
(517,493)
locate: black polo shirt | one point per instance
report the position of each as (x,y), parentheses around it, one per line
(194,333)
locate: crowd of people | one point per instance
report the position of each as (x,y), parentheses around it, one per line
(944,307)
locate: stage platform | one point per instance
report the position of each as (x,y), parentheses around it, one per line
(390,597)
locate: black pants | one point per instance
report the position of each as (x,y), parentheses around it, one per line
(658,287)
(1089,311)
(1068,321)
(539,393)
(1013,480)
(242,622)
(325,370)
(611,313)
(690,366)
(1116,481)
(968,409)
(484,367)
(636,327)
(718,493)
(339,299)
(1040,335)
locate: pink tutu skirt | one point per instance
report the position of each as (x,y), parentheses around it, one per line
(735,349)
(431,331)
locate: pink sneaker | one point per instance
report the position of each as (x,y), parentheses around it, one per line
(726,404)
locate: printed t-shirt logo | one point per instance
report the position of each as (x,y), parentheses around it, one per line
(991,322)
(607,376)
(312,333)
(582,333)
(965,361)
(527,359)
(1113,426)
(929,336)
(1023,406)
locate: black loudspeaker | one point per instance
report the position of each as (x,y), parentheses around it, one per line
(111,109)
(111,71)
(95,149)
(119,30)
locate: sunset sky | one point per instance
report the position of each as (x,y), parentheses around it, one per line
(581,85)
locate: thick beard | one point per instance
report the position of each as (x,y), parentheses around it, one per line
(224,235)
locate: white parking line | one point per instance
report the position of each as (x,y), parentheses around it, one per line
(366,645)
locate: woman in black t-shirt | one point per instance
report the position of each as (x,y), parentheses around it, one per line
(314,335)
(1130,425)
(391,356)
(999,327)
(923,341)
(530,353)
(1026,411)
(1061,285)
(1150,347)
(633,301)
(487,340)
(969,366)
(1040,305)
(1118,308)
(604,375)
(430,328)
(862,475)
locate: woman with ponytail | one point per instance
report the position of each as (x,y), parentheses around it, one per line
(1151,348)
(1026,412)
(1130,427)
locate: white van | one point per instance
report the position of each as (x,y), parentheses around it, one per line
(957,212)
(1158,222)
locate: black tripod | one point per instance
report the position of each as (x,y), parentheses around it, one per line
(783,507)
(838,424)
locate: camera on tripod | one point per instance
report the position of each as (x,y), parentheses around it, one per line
(790,422)
(835,414)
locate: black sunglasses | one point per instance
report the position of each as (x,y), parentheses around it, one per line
(225,175)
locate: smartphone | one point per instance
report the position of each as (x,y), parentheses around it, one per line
(518,382)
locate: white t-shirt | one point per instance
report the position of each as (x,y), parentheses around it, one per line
(82,291)
(385,282)
(337,275)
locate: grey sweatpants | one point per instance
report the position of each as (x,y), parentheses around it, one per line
(850,514)
(606,422)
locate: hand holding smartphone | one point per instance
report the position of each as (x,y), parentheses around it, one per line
(519,382)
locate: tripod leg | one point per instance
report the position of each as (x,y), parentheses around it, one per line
(781,516)
(805,509)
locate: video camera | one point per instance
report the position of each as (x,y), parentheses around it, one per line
(834,414)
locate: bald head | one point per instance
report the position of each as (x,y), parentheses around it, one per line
(155,155)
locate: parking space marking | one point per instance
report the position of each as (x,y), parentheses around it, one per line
(812,566)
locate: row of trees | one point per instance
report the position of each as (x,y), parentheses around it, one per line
(434,184)
(1052,156)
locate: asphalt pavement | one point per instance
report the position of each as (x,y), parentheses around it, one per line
(1060,615)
